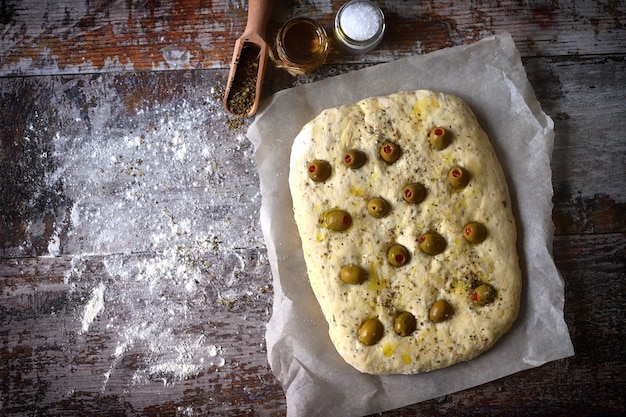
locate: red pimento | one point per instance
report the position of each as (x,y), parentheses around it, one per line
(458,177)
(438,138)
(397,255)
(483,294)
(414,193)
(319,170)
(475,232)
(390,152)
(354,158)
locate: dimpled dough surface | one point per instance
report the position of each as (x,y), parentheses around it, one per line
(406,119)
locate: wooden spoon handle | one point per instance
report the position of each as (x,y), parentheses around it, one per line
(259,12)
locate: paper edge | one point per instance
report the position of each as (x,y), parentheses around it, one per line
(547,132)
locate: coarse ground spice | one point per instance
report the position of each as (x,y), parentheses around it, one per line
(243,89)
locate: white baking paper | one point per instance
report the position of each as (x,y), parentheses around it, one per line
(490,77)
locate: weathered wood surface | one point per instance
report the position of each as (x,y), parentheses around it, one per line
(117,35)
(145,192)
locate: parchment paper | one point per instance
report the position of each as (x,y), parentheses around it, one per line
(490,77)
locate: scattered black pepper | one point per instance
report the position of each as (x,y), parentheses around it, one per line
(243,89)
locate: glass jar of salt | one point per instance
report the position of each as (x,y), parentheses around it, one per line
(359,26)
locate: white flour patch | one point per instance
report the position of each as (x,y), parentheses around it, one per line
(54,245)
(176,58)
(93,307)
(169,182)
(160,207)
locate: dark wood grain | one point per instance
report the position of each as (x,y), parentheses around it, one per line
(107,35)
(45,354)
(34,297)
(106,72)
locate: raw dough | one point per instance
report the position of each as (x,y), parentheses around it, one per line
(384,291)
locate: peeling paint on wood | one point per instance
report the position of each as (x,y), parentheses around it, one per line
(117,35)
(114,162)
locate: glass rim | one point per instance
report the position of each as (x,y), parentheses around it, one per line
(319,30)
(367,42)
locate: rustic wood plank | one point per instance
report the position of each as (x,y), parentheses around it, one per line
(44,340)
(209,352)
(594,271)
(113,35)
(121,109)
(585,96)
(105,327)
(80,151)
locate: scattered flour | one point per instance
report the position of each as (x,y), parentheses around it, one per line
(54,245)
(176,58)
(93,307)
(158,214)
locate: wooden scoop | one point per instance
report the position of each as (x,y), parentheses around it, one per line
(251,41)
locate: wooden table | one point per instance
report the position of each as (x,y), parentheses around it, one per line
(134,279)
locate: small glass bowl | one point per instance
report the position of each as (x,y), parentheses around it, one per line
(301,45)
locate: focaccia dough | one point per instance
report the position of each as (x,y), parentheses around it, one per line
(406,119)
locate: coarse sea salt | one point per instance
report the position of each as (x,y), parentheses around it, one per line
(360,21)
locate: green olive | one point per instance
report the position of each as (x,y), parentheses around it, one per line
(319,170)
(404,324)
(371,331)
(352,274)
(378,207)
(354,158)
(441,310)
(432,243)
(483,294)
(458,177)
(439,138)
(397,255)
(390,152)
(474,232)
(414,193)
(336,220)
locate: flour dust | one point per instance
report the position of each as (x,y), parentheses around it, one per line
(165,205)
